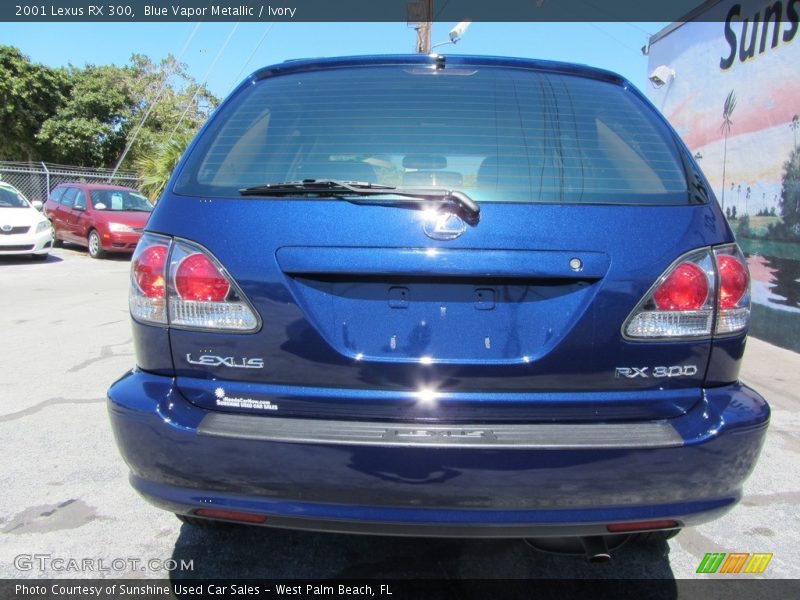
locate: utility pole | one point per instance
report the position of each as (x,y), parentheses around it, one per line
(423,25)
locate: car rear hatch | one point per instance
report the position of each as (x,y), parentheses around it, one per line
(390,308)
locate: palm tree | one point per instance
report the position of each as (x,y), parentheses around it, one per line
(795,125)
(746,198)
(727,123)
(156,168)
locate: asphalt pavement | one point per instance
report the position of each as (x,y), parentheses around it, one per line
(66,509)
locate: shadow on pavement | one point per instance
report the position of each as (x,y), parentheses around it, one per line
(240,552)
(25,259)
(77,249)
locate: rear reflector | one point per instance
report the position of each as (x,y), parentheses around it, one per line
(642,526)
(230,515)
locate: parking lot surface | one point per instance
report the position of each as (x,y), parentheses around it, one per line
(65,495)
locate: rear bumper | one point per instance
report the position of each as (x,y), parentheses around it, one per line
(466,480)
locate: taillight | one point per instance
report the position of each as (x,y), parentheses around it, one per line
(732,281)
(148,271)
(201,293)
(197,278)
(734,290)
(686,288)
(148,290)
(178,283)
(680,304)
(698,289)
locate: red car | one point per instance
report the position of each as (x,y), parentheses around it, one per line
(104,218)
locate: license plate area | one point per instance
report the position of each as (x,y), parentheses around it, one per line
(447,320)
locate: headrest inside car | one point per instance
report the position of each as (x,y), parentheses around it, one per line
(424,161)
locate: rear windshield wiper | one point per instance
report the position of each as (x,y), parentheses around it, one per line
(334,188)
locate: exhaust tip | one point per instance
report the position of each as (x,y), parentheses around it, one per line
(599,558)
(595,549)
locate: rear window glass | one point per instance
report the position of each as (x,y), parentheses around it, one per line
(498,134)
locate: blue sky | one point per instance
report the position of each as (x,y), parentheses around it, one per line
(614,46)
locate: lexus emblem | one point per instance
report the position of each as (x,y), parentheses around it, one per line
(6,228)
(444,226)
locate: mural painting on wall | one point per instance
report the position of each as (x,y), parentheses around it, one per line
(734,97)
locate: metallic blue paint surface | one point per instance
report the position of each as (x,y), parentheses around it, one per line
(361,311)
(176,467)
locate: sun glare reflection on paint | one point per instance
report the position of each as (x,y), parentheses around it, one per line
(427,397)
(426,360)
(430,213)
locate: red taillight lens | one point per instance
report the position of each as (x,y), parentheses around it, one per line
(642,526)
(200,280)
(148,271)
(733,281)
(686,288)
(230,515)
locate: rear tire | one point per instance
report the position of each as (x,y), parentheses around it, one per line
(202,523)
(95,248)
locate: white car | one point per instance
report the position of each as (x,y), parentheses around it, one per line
(23,229)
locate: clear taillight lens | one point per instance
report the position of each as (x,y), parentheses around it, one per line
(680,304)
(734,290)
(148,290)
(178,283)
(202,295)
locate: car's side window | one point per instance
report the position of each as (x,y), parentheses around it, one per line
(68,199)
(56,194)
(80,200)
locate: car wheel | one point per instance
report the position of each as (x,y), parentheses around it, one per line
(203,523)
(40,256)
(95,249)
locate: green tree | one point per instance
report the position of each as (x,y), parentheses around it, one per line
(132,110)
(90,129)
(175,104)
(790,193)
(29,95)
(94,115)
(155,168)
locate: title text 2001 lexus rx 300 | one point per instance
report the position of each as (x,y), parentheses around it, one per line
(458,296)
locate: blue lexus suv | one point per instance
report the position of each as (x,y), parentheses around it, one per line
(439,296)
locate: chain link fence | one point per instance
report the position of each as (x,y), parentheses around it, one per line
(37,180)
